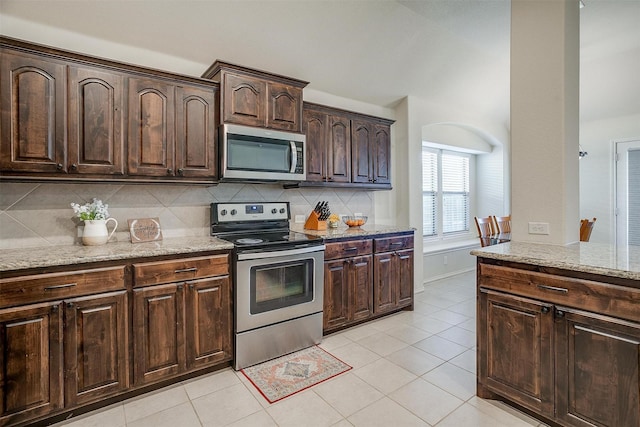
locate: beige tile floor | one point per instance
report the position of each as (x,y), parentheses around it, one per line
(409,369)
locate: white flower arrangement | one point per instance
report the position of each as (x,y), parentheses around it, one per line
(90,211)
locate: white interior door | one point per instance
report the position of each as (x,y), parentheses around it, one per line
(628,193)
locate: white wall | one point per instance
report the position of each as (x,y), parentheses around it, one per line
(597,171)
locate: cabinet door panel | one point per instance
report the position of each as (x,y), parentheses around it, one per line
(151,127)
(381,154)
(158,328)
(404,260)
(598,381)
(32,100)
(336,293)
(338,149)
(285,107)
(384,287)
(361,287)
(361,141)
(96,126)
(515,349)
(196,132)
(30,361)
(315,129)
(209,322)
(96,347)
(244,100)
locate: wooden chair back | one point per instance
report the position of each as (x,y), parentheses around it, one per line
(485,230)
(586,227)
(502,224)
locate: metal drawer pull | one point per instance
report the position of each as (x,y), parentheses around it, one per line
(351,249)
(67,285)
(187,270)
(553,288)
(396,244)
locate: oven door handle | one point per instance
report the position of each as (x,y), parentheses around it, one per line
(302,249)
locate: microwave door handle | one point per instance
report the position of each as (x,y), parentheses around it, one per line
(294,157)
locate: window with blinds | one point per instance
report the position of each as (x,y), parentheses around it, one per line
(445,192)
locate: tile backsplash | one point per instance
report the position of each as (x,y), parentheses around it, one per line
(39,214)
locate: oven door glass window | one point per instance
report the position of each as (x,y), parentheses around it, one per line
(275,286)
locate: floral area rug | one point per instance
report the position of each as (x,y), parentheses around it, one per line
(289,374)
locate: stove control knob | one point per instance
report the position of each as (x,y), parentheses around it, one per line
(223,212)
(233,211)
(274,210)
(281,210)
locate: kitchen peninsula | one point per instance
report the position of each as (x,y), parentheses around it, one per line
(558,331)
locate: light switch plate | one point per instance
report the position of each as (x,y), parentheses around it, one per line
(299,219)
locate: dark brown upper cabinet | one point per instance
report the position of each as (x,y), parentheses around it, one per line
(96,138)
(257,98)
(346,149)
(151,127)
(32,102)
(67,116)
(328,148)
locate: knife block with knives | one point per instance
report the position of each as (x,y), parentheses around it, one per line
(318,218)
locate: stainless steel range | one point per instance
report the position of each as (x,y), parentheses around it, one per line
(278,280)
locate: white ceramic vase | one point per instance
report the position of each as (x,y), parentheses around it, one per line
(95,231)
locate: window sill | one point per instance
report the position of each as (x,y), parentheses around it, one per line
(432,248)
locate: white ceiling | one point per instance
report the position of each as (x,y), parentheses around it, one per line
(445,51)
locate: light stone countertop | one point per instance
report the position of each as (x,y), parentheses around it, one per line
(20,259)
(50,256)
(344,232)
(596,258)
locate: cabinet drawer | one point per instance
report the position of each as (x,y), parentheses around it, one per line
(614,300)
(393,243)
(152,273)
(52,286)
(347,249)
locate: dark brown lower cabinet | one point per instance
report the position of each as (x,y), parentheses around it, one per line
(597,378)
(348,293)
(393,273)
(208,321)
(553,345)
(158,331)
(96,347)
(515,349)
(30,362)
(182,325)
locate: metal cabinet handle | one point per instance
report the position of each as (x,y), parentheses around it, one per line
(559,313)
(59,166)
(180,171)
(553,288)
(350,249)
(545,310)
(69,305)
(169,171)
(74,166)
(66,285)
(186,270)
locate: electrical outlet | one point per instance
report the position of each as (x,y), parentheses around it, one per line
(299,219)
(538,228)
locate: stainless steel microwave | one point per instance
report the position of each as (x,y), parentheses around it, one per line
(256,154)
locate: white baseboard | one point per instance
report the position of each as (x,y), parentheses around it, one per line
(447,275)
